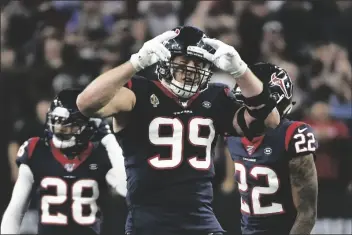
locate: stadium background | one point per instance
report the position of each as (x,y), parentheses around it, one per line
(50,45)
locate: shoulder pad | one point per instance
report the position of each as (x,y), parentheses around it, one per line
(26,150)
(135,80)
(300,139)
(220,87)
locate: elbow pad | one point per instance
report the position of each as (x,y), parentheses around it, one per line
(264,98)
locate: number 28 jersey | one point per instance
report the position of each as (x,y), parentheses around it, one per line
(168,145)
(69,193)
(262,173)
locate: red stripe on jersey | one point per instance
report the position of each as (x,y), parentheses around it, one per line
(33,142)
(129,84)
(289,132)
(60,157)
(251,146)
(227,91)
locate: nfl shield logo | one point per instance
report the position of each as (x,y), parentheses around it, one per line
(70,167)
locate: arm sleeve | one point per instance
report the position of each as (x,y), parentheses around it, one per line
(13,215)
(300,140)
(116,176)
(225,111)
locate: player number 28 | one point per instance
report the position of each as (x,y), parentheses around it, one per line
(77,201)
(257,191)
(176,142)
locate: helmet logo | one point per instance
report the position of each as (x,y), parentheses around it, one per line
(275,81)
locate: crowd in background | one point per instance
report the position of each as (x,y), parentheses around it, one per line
(47,46)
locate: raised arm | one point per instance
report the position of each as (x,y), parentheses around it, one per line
(12,218)
(260,106)
(106,95)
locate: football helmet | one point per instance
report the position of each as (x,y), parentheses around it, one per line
(67,128)
(195,78)
(279,83)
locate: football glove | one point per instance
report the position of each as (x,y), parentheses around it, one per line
(225,57)
(152,51)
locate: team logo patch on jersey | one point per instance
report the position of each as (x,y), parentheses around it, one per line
(206,104)
(250,149)
(70,166)
(268,151)
(154,100)
(93,166)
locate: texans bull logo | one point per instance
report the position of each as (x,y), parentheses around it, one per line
(283,82)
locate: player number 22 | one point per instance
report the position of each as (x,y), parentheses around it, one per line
(176,141)
(302,145)
(257,191)
(77,201)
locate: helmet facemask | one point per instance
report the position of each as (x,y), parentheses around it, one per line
(66,131)
(182,79)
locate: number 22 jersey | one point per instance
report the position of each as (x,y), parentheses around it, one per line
(262,173)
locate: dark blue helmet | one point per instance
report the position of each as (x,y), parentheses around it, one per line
(67,128)
(279,83)
(196,77)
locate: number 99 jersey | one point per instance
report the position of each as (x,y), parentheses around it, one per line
(262,173)
(69,193)
(168,147)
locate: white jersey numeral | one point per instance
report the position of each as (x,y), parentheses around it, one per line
(258,191)
(176,142)
(77,201)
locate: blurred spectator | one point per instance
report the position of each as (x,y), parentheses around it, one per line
(159,15)
(273,50)
(332,153)
(25,129)
(331,73)
(250,28)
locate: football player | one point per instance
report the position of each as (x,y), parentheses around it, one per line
(70,173)
(275,169)
(168,128)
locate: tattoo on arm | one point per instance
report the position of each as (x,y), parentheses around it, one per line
(304,185)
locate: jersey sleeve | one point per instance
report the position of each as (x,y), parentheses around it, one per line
(300,140)
(225,111)
(25,152)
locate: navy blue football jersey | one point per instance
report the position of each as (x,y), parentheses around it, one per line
(69,193)
(168,149)
(262,173)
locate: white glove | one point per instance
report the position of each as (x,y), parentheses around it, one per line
(225,58)
(152,51)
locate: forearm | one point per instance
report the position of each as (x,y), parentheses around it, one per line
(250,85)
(304,223)
(103,89)
(304,184)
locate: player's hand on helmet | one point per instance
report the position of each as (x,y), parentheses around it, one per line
(152,51)
(225,57)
